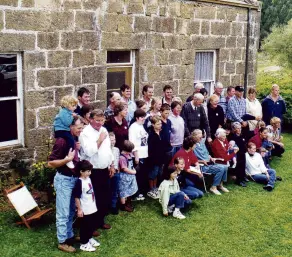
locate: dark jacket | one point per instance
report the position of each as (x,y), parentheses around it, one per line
(216,118)
(156,153)
(273,109)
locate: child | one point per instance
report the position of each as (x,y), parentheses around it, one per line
(86,207)
(127,184)
(114,181)
(156,153)
(231,147)
(154,110)
(63,121)
(171,197)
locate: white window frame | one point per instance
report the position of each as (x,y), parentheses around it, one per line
(214,69)
(19,104)
(126,65)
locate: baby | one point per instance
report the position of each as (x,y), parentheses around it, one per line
(231,147)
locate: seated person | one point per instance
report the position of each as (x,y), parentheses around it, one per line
(231,147)
(276,138)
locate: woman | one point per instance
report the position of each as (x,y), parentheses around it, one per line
(177,127)
(85,113)
(275,131)
(254,108)
(215,115)
(119,125)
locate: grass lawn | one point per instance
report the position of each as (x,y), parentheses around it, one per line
(246,222)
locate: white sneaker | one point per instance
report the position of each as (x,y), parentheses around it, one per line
(94,242)
(215,191)
(87,247)
(223,189)
(70,165)
(140,197)
(170,208)
(153,194)
(178,215)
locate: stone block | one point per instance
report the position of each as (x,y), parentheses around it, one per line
(29,79)
(100,92)
(190,71)
(146,57)
(153,73)
(100,57)
(163,24)
(188,56)
(161,57)
(101,104)
(71,40)
(237,29)
(94,75)
(36,99)
(49,40)
(181,26)
(221,68)
(171,42)
(186,10)
(224,54)
(221,13)
(90,40)
(231,42)
(109,22)
(135,8)
(73,77)
(48,4)
(175,57)
(9,2)
(231,14)
(92,4)
(220,28)
(193,27)
(151,8)
(83,58)
(46,116)
(174,9)
(49,78)
(41,153)
(205,12)
(32,60)
(142,24)
(240,68)
(199,42)
(229,68)
(184,42)
(205,27)
(125,23)
(84,20)
(38,137)
(235,80)
(242,15)
(235,54)
(186,86)
(1,20)
(61,21)
(72,4)
(123,41)
(225,80)
(115,6)
(17,42)
(57,59)
(154,40)
(162,9)
(61,92)
(241,42)
(179,72)
(29,119)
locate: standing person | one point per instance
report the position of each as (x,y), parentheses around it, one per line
(83,96)
(96,146)
(147,94)
(139,137)
(204,92)
(85,113)
(115,99)
(167,95)
(195,117)
(218,89)
(118,124)
(86,207)
(64,182)
(126,98)
(275,130)
(254,108)
(273,105)
(154,110)
(177,127)
(230,93)
(140,105)
(215,115)
(197,87)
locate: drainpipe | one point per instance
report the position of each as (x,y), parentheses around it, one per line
(247,51)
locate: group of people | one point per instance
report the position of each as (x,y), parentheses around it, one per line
(159,147)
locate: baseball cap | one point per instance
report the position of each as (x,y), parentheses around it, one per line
(239,88)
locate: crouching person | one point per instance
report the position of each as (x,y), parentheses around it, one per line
(86,207)
(171,198)
(256,168)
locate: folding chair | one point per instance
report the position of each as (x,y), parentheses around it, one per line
(23,202)
(203,173)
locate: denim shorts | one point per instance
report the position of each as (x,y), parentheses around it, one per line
(155,172)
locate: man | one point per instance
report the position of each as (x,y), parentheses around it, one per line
(168,95)
(273,105)
(256,168)
(96,148)
(64,183)
(147,94)
(195,116)
(126,98)
(218,88)
(83,96)
(115,99)
(230,93)
(197,87)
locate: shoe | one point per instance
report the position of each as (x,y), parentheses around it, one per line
(241,183)
(215,191)
(70,165)
(152,194)
(95,233)
(246,179)
(268,188)
(71,241)
(279,178)
(140,197)
(124,207)
(87,247)
(66,248)
(170,208)
(178,215)
(106,226)
(223,189)
(114,211)
(94,242)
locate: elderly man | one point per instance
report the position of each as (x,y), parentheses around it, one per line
(168,95)
(197,87)
(195,116)
(83,96)
(96,148)
(126,98)
(147,94)
(64,183)
(115,99)
(218,88)
(273,105)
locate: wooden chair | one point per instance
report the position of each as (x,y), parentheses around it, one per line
(23,202)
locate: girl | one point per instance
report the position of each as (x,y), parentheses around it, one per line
(171,197)
(127,184)
(154,110)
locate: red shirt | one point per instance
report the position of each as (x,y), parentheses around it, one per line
(256,140)
(221,151)
(189,158)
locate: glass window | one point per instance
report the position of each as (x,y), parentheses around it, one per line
(118,56)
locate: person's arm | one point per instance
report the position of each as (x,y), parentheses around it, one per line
(205,122)
(77,192)
(164,197)
(66,117)
(78,206)
(220,152)
(221,117)
(184,116)
(123,162)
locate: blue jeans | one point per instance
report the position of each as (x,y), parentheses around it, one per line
(178,199)
(219,170)
(192,192)
(156,171)
(262,178)
(65,206)
(114,181)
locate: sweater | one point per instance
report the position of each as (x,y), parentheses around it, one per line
(63,120)
(156,151)
(221,151)
(273,109)
(167,188)
(254,164)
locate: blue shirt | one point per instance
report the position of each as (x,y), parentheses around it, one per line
(131,109)
(63,120)
(236,109)
(223,103)
(201,151)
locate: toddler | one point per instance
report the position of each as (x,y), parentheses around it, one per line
(231,147)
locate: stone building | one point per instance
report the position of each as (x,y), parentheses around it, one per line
(50,48)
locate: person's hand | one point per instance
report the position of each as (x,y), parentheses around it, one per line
(209,140)
(102,136)
(165,214)
(111,171)
(212,159)
(80,213)
(244,124)
(71,154)
(137,160)
(258,118)
(281,144)
(236,150)
(204,162)
(74,114)
(186,197)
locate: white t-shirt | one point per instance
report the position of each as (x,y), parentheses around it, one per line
(139,137)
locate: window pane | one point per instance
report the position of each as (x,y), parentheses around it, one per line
(8,130)
(115,79)
(8,75)
(204,66)
(118,56)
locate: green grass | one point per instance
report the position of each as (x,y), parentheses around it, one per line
(246,222)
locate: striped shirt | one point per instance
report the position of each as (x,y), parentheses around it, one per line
(236,109)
